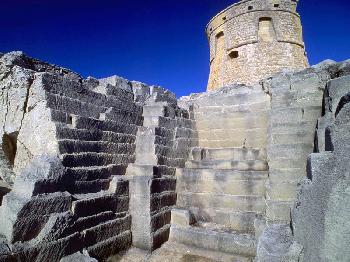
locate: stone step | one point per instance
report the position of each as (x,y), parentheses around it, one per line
(158,110)
(221,181)
(149,159)
(64,131)
(237,134)
(296,114)
(249,122)
(120,93)
(122,116)
(254,165)
(293,127)
(209,238)
(95,172)
(283,191)
(286,174)
(73,106)
(256,139)
(287,163)
(106,230)
(69,146)
(290,151)
(280,211)
(228,116)
(83,223)
(92,186)
(94,203)
(167,122)
(235,153)
(238,221)
(234,99)
(74,89)
(80,122)
(298,137)
(223,202)
(222,174)
(296,99)
(232,108)
(95,159)
(104,125)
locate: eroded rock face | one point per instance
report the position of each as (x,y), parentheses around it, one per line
(26,128)
(97,165)
(320,219)
(66,146)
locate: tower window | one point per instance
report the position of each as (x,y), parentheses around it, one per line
(220,34)
(233,54)
(224,18)
(266,29)
(276,5)
(250,7)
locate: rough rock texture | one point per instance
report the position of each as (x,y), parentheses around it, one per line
(66,145)
(321,216)
(98,166)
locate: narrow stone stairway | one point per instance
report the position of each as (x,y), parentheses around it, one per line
(220,196)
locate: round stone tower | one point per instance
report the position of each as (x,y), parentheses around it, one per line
(254,39)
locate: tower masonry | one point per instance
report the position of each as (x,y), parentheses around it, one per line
(254,39)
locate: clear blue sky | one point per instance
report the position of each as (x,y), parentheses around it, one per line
(157,42)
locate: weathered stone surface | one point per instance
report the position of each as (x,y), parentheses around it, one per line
(82,257)
(276,245)
(105,164)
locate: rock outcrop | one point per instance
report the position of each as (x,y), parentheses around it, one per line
(91,167)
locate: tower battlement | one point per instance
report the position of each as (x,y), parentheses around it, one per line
(253,39)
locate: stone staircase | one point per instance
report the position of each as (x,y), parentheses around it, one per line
(220,195)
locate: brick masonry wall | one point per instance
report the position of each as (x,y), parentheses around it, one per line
(241,52)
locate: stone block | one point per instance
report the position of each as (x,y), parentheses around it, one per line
(111,246)
(106,230)
(278,210)
(181,217)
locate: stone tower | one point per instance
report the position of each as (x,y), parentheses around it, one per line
(253,39)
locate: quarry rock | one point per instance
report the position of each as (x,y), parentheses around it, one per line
(255,169)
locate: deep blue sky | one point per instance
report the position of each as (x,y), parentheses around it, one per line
(157,42)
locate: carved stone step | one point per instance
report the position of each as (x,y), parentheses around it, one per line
(221,181)
(209,238)
(105,125)
(252,107)
(167,122)
(254,165)
(95,172)
(296,114)
(64,131)
(127,117)
(235,153)
(288,138)
(80,122)
(68,146)
(293,127)
(95,159)
(249,122)
(92,186)
(238,221)
(73,106)
(221,202)
(95,203)
(290,151)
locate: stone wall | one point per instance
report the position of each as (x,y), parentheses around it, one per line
(67,143)
(235,116)
(320,218)
(101,165)
(252,40)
